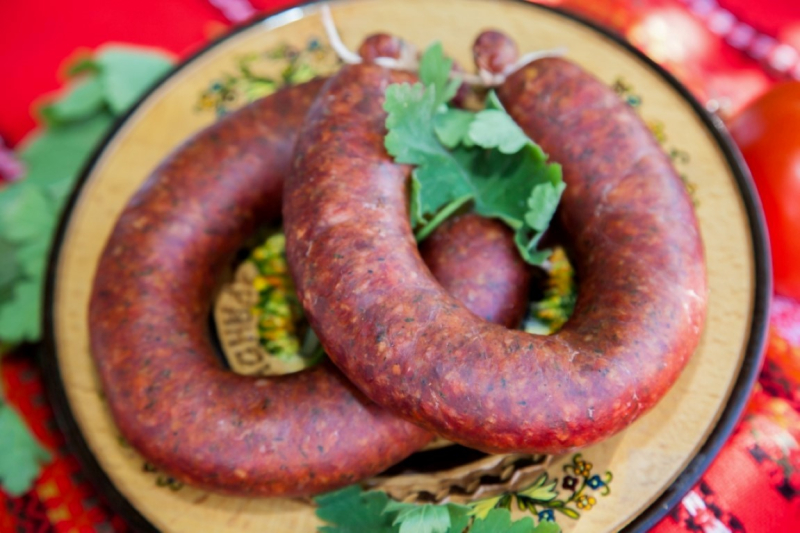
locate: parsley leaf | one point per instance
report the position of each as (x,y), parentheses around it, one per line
(429,518)
(10,269)
(434,71)
(58,154)
(462,157)
(411,140)
(84,99)
(420,518)
(494,128)
(499,521)
(350,510)
(452,126)
(127,73)
(20,453)
(29,209)
(546,526)
(22,209)
(19,314)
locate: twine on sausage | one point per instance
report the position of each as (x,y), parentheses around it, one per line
(409,61)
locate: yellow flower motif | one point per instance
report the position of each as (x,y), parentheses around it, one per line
(585,502)
(582,468)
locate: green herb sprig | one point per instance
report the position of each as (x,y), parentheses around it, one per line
(461,157)
(351,510)
(102,88)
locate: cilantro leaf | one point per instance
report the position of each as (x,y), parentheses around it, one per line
(493,128)
(58,154)
(32,257)
(413,518)
(546,526)
(452,126)
(30,208)
(10,268)
(24,212)
(20,453)
(19,315)
(460,157)
(350,510)
(126,74)
(459,517)
(429,518)
(411,140)
(541,202)
(434,71)
(84,98)
(499,521)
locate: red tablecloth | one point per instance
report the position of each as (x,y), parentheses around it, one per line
(754,484)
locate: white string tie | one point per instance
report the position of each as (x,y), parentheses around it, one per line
(408,59)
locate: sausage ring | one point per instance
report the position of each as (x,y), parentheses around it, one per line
(413,349)
(297,434)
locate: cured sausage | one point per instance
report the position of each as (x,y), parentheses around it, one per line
(420,353)
(297,434)
(476,260)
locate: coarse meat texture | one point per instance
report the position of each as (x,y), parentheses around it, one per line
(392,329)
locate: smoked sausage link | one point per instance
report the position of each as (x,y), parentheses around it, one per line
(291,435)
(410,347)
(476,261)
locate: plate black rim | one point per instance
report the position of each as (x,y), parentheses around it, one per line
(726,423)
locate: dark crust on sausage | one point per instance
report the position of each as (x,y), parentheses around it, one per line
(420,353)
(294,435)
(476,261)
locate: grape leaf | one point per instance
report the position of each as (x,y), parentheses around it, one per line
(84,98)
(20,453)
(126,74)
(350,510)
(499,521)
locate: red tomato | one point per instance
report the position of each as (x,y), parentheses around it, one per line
(768,134)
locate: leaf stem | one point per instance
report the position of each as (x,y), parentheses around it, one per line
(440,217)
